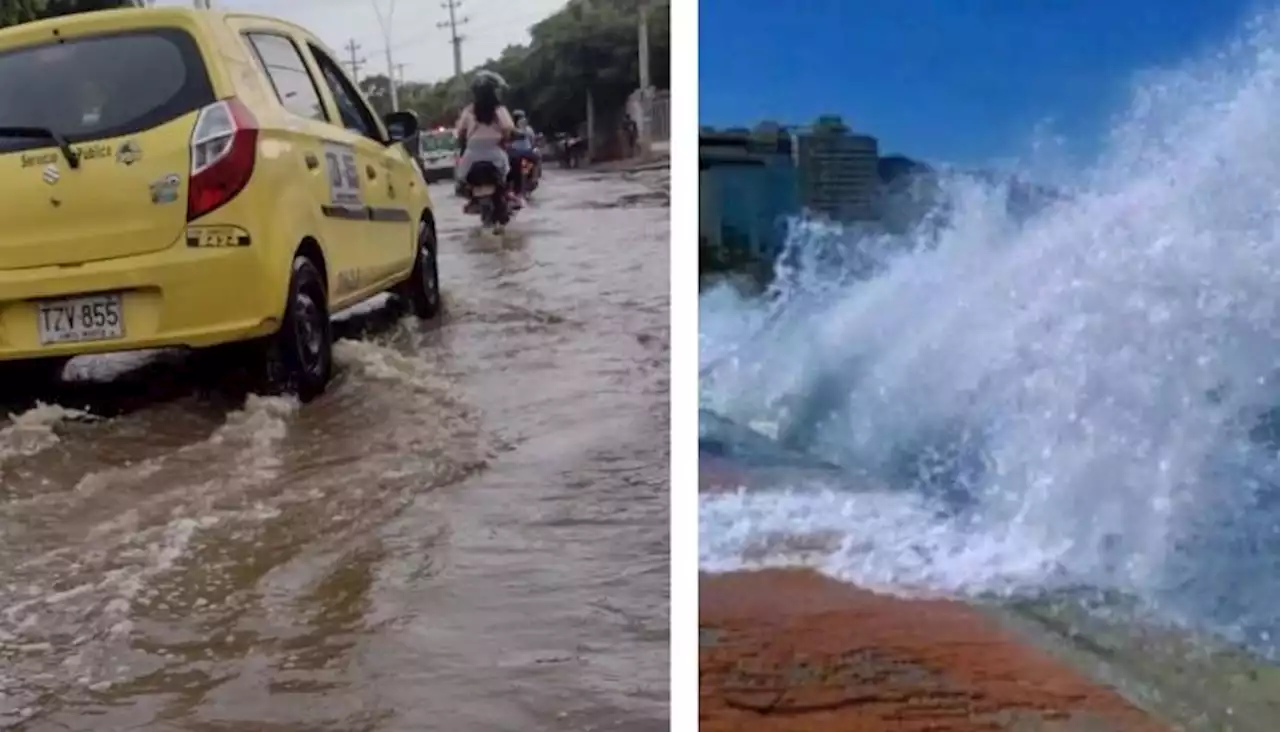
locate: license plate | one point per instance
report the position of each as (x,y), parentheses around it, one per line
(76,319)
(483,190)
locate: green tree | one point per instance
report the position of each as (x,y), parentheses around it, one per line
(582,48)
(586,48)
(13,12)
(377,89)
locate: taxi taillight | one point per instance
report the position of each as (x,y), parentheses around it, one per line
(224,148)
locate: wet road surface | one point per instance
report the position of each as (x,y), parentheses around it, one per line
(468,532)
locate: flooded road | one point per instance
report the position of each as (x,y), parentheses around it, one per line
(469,531)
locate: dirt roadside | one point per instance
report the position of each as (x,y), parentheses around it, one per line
(792,651)
(656,160)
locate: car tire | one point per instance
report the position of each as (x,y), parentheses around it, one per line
(421,292)
(298,358)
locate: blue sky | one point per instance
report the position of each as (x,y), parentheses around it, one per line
(962,81)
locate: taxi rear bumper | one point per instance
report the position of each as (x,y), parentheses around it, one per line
(182,296)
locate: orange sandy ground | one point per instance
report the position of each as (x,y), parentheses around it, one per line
(792,651)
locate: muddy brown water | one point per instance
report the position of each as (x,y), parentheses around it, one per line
(468,532)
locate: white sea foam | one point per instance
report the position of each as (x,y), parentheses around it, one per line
(1071,396)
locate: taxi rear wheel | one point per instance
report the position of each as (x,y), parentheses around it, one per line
(298,358)
(421,292)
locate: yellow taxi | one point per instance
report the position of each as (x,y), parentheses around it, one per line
(174,177)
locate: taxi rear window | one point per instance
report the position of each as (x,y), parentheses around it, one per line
(101,86)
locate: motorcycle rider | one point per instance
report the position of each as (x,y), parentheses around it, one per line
(484,126)
(523,147)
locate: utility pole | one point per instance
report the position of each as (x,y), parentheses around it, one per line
(399,76)
(355,62)
(455,39)
(392,87)
(645,123)
(385,22)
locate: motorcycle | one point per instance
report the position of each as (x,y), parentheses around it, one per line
(486,193)
(459,185)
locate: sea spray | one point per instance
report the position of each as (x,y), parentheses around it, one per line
(1077,396)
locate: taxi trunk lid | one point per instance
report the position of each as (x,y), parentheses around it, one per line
(110,178)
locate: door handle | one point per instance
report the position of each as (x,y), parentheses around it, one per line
(369,171)
(312,161)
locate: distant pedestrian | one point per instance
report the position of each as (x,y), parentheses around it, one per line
(632,134)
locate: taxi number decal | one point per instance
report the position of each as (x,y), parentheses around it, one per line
(344,183)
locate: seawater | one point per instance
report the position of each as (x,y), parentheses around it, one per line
(1087,395)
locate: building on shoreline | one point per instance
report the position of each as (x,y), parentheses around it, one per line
(837,171)
(752,180)
(747,190)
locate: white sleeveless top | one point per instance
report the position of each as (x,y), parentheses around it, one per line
(468,125)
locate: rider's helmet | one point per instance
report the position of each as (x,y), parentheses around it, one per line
(487,83)
(518,116)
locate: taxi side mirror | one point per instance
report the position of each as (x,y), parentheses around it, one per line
(401,125)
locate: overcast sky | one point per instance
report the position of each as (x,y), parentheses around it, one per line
(416,42)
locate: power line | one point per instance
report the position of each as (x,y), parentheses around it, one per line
(495,25)
(500,25)
(355,62)
(452,24)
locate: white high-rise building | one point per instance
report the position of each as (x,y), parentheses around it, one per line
(838,172)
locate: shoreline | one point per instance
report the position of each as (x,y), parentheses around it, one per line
(788,650)
(821,654)
(791,650)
